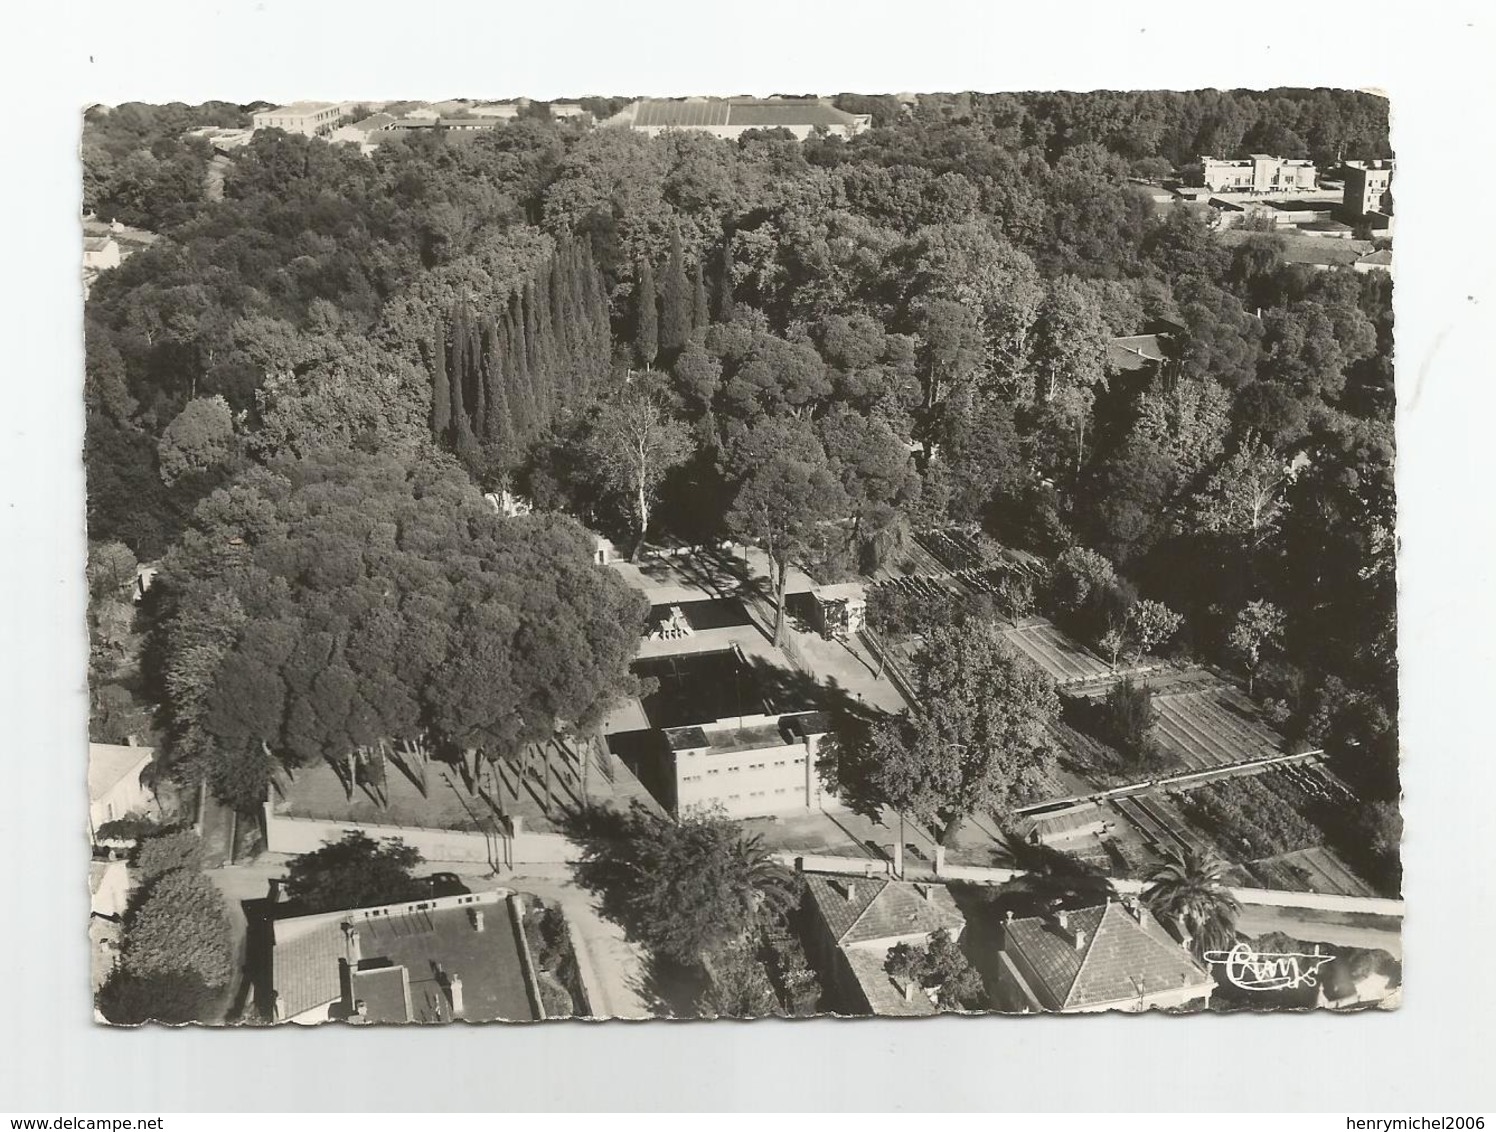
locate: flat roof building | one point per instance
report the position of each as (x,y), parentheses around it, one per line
(1368,187)
(1259,173)
(721,735)
(311,119)
(437,960)
(731,117)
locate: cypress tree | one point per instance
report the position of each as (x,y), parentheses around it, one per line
(700,315)
(521,397)
(563,326)
(540,378)
(646,317)
(441,394)
(599,318)
(675,300)
(724,285)
(499,432)
(480,398)
(462,426)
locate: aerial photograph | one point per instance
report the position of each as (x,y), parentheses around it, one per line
(740,556)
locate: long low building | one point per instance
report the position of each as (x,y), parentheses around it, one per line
(1259,173)
(732,117)
(313,119)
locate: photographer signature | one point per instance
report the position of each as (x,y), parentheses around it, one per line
(1269,970)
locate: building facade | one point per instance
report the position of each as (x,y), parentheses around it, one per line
(750,766)
(115,789)
(1259,173)
(1368,188)
(311,119)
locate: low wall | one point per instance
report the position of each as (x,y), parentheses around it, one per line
(1363,905)
(820,863)
(293,835)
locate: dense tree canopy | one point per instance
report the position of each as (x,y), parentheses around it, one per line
(854,337)
(356,872)
(682,888)
(975,741)
(347,603)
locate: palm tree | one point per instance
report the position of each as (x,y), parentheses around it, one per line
(771,886)
(1190,888)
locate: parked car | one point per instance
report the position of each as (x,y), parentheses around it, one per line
(446,884)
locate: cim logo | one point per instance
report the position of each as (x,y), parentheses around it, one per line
(1269,970)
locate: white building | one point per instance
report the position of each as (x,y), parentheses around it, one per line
(114,786)
(750,766)
(1368,187)
(312,119)
(1259,173)
(100,253)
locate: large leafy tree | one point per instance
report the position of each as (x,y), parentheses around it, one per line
(681,887)
(356,872)
(1244,496)
(635,442)
(941,967)
(974,741)
(787,500)
(198,439)
(1258,629)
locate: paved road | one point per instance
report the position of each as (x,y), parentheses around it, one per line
(1345,929)
(613,968)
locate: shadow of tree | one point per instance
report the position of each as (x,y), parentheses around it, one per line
(1052,878)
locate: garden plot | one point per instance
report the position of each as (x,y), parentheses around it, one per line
(1316,869)
(1056,653)
(1213,727)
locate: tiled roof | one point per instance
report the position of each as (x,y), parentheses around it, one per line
(883,995)
(1382,257)
(96,243)
(749,112)
(1134,351)
(771,112)
(878,908)
(109,762)
(1121,958)
(307,974)
(689,112)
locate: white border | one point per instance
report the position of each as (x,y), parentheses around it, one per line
(1435,59)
